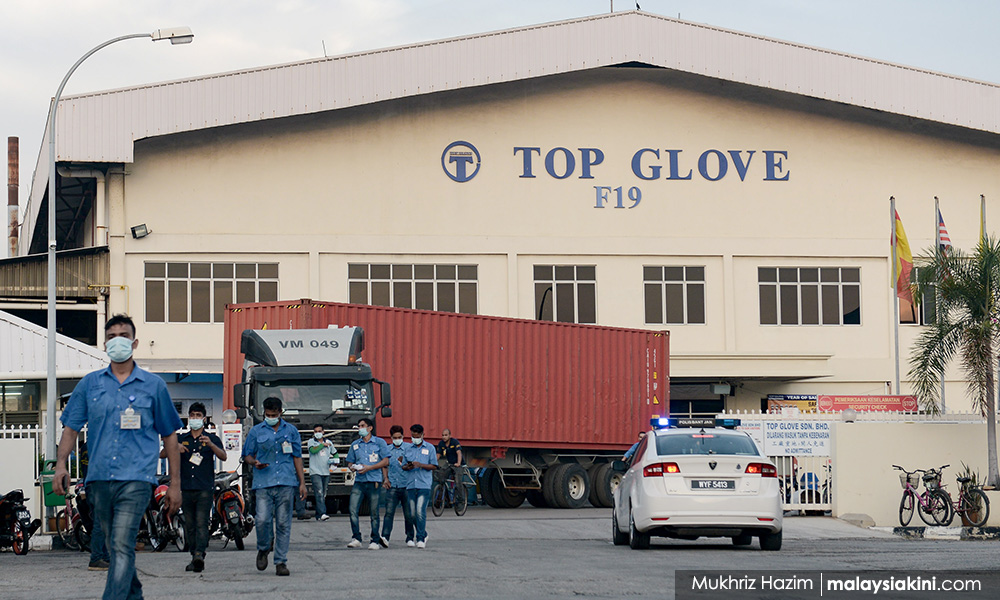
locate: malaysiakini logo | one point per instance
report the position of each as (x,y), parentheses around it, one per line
(460,161)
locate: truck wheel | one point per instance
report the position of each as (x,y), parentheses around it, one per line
(486,485)
(571,486)
(552,474)
(603,484)
(505,498)
(536,499)
(592,477)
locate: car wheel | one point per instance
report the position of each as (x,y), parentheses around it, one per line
(637,540)
(618,537)
(770,541)
(743,539)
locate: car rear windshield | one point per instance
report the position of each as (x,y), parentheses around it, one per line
(705,443)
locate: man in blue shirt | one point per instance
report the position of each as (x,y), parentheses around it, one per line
(635,446)
(367,456)
(274,450)
(396,480)
(128,412)
(420,459)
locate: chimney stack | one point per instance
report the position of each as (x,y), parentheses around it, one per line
(12,212)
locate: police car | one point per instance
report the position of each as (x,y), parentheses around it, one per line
(692,478)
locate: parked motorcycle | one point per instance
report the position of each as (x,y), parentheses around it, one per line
(158,527)
(16,526)
(229,517)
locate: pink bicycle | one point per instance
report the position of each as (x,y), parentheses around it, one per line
(933,504)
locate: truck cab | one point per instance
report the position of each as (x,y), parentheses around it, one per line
(320,379)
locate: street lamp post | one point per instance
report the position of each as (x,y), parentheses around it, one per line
(176,35)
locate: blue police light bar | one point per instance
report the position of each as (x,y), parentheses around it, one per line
(693,422)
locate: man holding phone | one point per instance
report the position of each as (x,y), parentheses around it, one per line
(421,460)
(274,450)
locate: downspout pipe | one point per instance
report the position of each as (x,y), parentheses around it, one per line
(100,200)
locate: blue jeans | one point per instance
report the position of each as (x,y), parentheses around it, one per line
(98,543)
(418,500)
(369,489)
(118,506)
(319,492)
(274,504)
(395,497)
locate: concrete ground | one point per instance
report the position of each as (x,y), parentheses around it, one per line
(488,553)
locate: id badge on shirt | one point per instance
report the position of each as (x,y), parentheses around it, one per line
(130,420)
(196,458)
(373,457)
(286,447)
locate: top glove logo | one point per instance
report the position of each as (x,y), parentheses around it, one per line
(460,161)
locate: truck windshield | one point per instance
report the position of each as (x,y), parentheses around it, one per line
(317,396)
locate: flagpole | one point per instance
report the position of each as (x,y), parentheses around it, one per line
(938,255)
(982,217)
(895,299)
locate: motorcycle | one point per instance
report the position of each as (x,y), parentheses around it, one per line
(16,526)
(229,517)
(158,527)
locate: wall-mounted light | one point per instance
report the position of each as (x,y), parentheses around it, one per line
(722,389)
(140,231)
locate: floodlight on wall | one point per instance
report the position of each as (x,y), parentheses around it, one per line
(140,231)
(722,389)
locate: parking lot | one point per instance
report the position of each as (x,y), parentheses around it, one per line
(488,553)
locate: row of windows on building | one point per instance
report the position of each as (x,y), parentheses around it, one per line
(672,294)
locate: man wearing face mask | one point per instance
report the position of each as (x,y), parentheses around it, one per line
(395,483)
(274,450)
(421,460)
(367,456)
(198,450)
(320,451)
(128,412)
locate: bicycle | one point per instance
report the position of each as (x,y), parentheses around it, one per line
(971,501)
(933,505)
(449,493)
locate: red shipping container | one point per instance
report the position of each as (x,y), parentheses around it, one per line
(494,381)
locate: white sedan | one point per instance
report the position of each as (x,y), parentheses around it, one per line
(692,478)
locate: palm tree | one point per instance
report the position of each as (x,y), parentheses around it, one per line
(967,326)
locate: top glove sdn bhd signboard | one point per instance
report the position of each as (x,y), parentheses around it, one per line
(649,168)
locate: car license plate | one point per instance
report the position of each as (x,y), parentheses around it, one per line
(713,484)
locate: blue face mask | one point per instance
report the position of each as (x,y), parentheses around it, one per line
(397,442)
(363,431)
(196,423)
(119,349)
(271,421)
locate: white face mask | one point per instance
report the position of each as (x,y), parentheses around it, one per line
(363,431)
(397,441)
(196,423)
(318,435)
(417,440)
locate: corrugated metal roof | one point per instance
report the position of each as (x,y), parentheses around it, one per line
(102,126)
(23,352)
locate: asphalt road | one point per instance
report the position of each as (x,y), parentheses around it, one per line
(488,553)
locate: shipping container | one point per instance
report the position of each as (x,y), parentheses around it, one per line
(520,395)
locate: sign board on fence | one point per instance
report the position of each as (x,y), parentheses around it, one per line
(756,431)
(797,438)
(803,402)
(883,403)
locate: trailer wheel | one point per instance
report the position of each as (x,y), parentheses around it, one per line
(552,474)
(536,499)
(486,483)
(570,486)
(592,473)
(604,482)
(504,497)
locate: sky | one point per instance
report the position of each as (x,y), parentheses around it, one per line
(41,39)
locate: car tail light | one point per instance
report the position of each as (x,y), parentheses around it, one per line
(660,469)
(762,469)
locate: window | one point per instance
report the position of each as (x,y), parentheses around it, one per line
(908,313)
(20,402)
(180,292)
(448,288)
(809,295)
(674,295)
(705,443)
(566,293)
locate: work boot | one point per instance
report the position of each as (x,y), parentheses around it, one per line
(198,562)
(98,565)
(261,560)
(281,570)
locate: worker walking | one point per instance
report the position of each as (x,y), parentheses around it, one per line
(367,456)
(420,461)
(396,480)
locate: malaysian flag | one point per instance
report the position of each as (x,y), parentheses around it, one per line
(944,240)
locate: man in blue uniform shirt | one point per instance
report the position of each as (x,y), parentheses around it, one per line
(367,456)
(421,460)
(127,411)
(274,450)
(396,480)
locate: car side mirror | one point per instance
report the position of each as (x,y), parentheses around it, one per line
(386,412)
(619,466)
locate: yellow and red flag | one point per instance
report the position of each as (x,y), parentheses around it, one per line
(904,263)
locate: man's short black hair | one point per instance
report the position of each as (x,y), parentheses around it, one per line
(395,429)
(416,428)
(272,403)
(197,407)
(120,319)
(368,422)
(317,426)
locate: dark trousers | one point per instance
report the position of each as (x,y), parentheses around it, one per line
(197,507)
